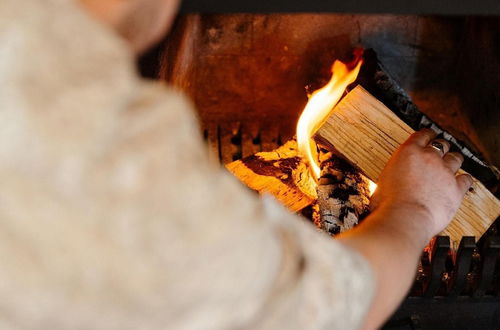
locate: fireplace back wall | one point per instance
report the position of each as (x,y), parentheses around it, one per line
(250,73)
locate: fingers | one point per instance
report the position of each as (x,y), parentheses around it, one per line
(422,138)
(453,160)
(439,146)
(464,182)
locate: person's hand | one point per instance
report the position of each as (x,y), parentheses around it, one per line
(420,179)
(418,194)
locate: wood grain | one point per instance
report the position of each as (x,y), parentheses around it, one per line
(367,133)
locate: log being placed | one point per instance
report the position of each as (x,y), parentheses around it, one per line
(366,133)
(378,82)
(281,172)
(343,195)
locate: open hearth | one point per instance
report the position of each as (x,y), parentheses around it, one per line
(249,75)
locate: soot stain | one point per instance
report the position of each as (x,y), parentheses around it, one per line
(281,169)
(343,193)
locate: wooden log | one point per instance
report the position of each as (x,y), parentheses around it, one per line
(380,84)
(343,195)
(281,172)
(367,133)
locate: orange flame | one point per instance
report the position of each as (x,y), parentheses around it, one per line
(372,186)
(319,106)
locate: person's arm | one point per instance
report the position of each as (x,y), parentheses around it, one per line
(418,193)
(132,224)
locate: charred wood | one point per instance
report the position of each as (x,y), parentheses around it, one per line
(282,173)
(343,195)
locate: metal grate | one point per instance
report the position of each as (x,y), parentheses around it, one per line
(234,141)
(473,270)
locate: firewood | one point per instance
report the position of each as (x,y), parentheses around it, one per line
(379,83)
(343,195)
(366,132)
(281,172)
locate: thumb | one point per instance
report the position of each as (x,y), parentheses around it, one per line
(464,182)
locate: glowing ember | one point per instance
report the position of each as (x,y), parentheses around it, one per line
(319,106)
(372,186)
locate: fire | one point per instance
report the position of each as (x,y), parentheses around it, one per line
(319,106)
(372,186)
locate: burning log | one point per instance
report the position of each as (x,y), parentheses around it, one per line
(281,172)
(366,132)
(343,195)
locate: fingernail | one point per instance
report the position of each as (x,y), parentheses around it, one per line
(469,177)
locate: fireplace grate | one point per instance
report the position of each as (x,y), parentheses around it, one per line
(471,271)
(233,141)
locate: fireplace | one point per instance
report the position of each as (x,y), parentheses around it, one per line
(249,75)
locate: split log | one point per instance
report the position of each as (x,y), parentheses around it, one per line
(378,82)
(281,172)
(366,132)
(343,195)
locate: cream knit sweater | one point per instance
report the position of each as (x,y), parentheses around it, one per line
(111,215)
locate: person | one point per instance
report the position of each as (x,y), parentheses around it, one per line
(112,217)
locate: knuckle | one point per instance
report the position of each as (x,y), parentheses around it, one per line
(408,147)
(457,157)
(426,131)
(446,146)
(410,141)
(430,155)
(413,154)
(466,180)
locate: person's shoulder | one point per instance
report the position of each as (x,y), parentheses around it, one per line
(64,76)
(155,93)
(157,105)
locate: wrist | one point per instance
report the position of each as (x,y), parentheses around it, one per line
(410,223)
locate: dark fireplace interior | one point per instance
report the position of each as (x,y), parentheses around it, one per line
(249,76)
